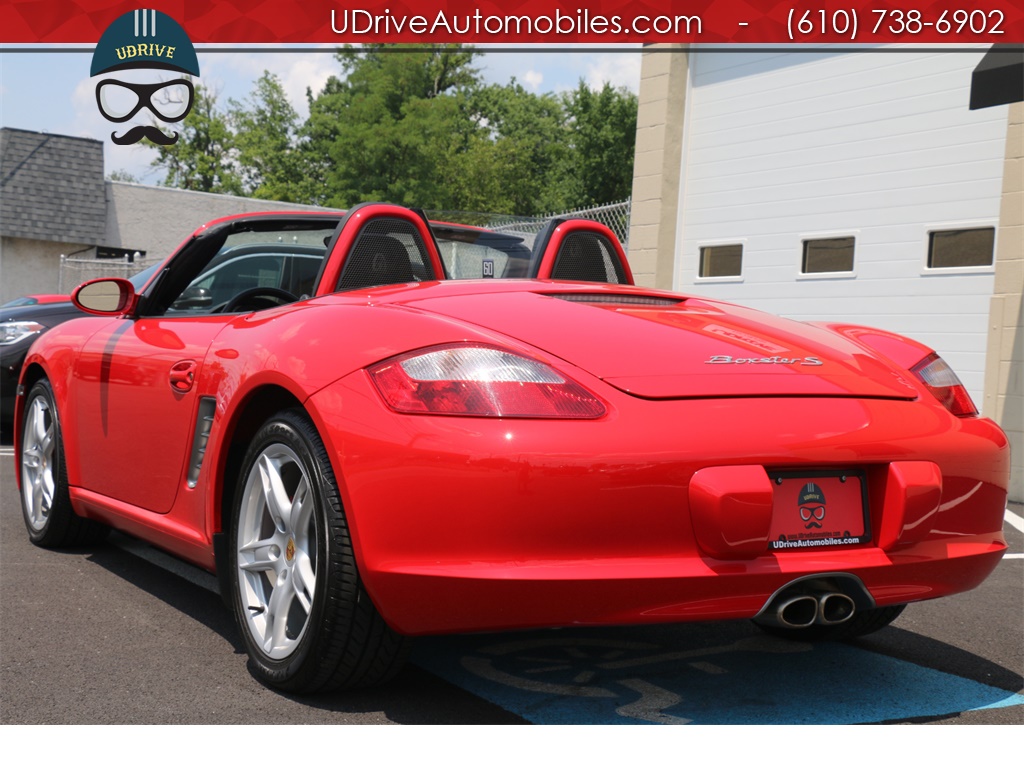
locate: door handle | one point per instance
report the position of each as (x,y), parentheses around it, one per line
(183,375)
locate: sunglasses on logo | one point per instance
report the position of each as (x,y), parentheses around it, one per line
(119,101)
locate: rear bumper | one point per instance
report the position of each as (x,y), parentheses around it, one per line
(459,598)
(469,524)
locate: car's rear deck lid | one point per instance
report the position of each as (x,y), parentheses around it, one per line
(661,346)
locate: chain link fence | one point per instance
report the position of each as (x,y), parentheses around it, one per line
(615,216)
(74,272)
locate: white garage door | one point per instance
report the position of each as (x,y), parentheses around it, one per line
(858,161)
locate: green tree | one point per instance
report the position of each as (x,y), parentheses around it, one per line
(530,147)
(393,126)
(602,128)
(402,73)
(122,175)
(266,135)
(203,157)
(413,127)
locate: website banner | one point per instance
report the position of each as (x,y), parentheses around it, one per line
(434,22)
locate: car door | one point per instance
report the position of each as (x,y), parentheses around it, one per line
(136,378)
(135,384)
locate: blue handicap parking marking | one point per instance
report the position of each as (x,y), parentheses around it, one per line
(659,675)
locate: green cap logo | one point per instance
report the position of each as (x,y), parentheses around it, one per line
(144,39)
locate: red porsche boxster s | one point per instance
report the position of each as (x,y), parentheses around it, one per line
(364,451)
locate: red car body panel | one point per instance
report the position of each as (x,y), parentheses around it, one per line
(591,521)
(692,349)
(130,362)
(657,511)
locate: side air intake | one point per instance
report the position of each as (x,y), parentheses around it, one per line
(200,437)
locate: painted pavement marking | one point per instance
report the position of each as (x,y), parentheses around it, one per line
(611,677)
(1015,520)
(599,679)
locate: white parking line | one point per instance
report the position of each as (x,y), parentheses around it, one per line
(1015,520)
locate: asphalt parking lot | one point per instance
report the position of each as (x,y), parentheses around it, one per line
(122,634)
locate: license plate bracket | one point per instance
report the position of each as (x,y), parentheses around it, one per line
(818,510)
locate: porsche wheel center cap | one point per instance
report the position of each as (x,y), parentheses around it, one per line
(289,551)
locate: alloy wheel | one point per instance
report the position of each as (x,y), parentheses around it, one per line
(276,541)
(37,463)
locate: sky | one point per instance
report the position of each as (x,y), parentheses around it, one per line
(53,92)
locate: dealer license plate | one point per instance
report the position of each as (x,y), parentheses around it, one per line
(818,509)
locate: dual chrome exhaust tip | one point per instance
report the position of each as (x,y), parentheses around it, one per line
(824,600)
(799,611)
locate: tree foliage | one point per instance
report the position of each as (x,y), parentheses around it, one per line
(266,128)
(528,133)
(202,159)
(413,127)
(603,127)
(390,127)
(122,175)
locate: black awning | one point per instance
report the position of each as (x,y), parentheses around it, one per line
(999,77)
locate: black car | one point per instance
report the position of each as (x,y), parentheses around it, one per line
(19,328)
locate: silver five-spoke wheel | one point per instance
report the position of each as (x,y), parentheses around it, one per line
(37,462)
(305,617)
(45,498)
(277,551)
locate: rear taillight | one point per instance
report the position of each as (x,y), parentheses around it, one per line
(944,384)
(472,380)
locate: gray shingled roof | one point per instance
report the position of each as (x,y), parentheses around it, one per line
(51,187)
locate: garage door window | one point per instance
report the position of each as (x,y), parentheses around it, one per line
(833,254)
(721,260)
(961,248)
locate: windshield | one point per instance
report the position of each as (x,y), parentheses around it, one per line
(139,279)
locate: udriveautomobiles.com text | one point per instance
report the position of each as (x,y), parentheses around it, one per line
(361,22)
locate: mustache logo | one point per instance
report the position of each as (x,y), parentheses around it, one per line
(812,524)
(137,133)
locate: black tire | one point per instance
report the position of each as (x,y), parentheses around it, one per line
(45,501)
(334,638)
(862,623)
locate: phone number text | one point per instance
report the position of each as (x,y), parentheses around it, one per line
(888,23)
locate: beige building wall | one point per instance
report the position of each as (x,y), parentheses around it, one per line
(656,168)
(32,266)
(1004,368)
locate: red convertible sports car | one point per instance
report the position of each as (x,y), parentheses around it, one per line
(366,451)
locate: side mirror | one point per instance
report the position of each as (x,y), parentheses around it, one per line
(105,296)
